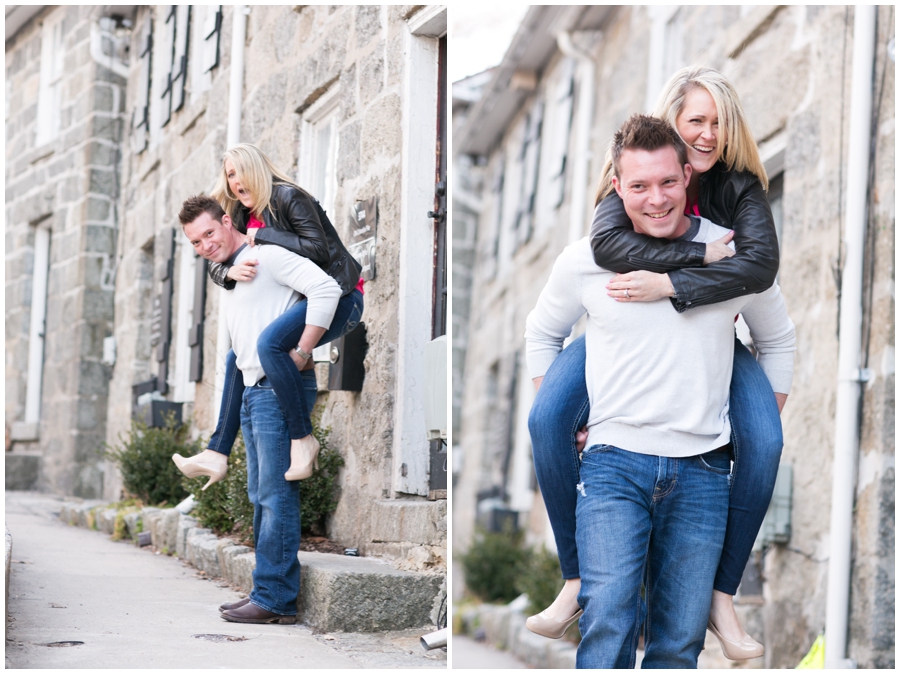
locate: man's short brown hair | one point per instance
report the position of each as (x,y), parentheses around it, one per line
(196,206)
(643,132)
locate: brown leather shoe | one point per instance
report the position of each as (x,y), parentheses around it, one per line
(234,604)
(251,613)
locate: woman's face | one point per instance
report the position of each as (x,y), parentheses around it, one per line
(698,124)
(234,183)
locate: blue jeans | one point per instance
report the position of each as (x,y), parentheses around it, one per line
(654,521)
(276,502)
(273,345)
(561,407)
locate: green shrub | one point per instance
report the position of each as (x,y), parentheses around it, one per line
(319,493)
(493,564)
(226,509)
(542,580)
(145,460)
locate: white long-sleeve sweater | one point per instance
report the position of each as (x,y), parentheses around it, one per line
(658,380)
(281,277)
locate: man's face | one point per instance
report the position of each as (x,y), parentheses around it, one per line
(652,186)
(212,239)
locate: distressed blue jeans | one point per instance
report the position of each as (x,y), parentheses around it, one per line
(273,345)
(276,502)
(657,522)
(561,407)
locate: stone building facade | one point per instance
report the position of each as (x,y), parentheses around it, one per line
(345,99)
(535,141)
(63,138)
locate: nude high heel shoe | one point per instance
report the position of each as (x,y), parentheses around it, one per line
(550,627)
(304,456)
(207,462)
(745,649)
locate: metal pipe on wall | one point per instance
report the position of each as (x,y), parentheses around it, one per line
(846,437)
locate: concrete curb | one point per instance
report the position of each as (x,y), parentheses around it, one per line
(337,593)
(504,627)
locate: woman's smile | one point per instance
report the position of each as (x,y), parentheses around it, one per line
(698,125)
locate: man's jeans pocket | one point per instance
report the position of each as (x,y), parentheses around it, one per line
(716,462)
(597,449)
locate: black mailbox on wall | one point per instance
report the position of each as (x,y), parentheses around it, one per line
(347,372)
(154,412)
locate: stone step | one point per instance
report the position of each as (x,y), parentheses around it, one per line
(337,593)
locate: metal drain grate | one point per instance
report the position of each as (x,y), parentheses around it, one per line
(218,638)
(64,644)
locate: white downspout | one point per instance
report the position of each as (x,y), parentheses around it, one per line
(846,436)
(577,220)
(233,137)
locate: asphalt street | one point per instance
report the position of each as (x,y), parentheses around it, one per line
(80,600)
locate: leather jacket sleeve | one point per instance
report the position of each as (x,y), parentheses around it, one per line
(296,227)
(730,199)
(738,201)
(619,248)
(217,272)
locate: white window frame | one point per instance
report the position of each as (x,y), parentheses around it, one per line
(37,330)
(311,157)
(178,21)
(562,109)
(661,30)
(206,31)
(141,113)
(529,165)
(49,120)
(521,495)
(183,387)
(211,35)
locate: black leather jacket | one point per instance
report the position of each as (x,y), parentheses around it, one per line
(300,226)
(733,199)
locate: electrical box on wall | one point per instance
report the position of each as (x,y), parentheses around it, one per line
(436,388)
(154,412)
(348,353)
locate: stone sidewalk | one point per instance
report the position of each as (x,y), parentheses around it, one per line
(337,593)
(125,606)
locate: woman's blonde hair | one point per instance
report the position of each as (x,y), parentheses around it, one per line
(257,174)
(735,146)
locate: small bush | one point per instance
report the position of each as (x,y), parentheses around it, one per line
(145,460)
(318,494)
(226,509)
(493,564)
(541,580)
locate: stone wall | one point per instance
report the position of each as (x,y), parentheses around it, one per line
(183,160)
(791,67)
(113,210)
(69,183)
(293,56)
(360,51)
